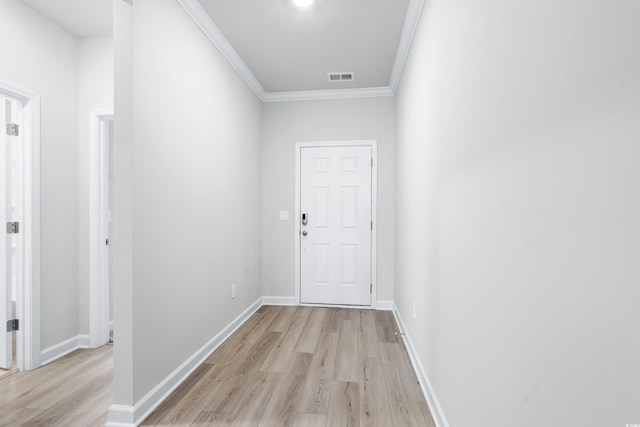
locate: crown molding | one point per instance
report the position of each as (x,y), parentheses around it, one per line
(197,13)
(406,39)
(195,10)
(315,95)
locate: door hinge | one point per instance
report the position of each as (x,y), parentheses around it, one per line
(13,227)
(371,225)
(106,242)
(13,129)
(371,162)
(13,325)
(371,288)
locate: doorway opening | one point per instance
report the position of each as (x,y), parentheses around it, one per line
(20,233)
(336,222)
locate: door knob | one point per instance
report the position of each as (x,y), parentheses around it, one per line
(304,233)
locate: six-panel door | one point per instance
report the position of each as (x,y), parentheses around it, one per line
(335,245)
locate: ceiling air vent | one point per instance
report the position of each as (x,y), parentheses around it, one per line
(340,77)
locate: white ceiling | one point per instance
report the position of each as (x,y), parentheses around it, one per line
(293,49)
(82,18)
(282,51)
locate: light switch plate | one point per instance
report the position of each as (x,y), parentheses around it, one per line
(284,215)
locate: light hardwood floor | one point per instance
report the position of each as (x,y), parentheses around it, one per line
(303,366)
(73,391)
(286,366)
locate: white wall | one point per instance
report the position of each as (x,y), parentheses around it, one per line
(517,210)
(196,195)
(95,90)
(122,217)
(42,58)
(284,124)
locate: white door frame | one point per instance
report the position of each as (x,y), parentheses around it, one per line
(374,208)
(98,250)
(28,292)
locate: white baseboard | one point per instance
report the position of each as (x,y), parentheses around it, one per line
(63,348)
(130,416)
(279,300)
(384,305)
(425,384)
(121,416)
(381,305)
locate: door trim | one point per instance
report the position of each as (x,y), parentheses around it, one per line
(98,289)
(374,208)
(28,293)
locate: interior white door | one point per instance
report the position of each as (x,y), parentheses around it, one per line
(6,356)
(335,225)
(106,226)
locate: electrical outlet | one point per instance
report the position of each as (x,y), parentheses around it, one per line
(233,293)
(414,309)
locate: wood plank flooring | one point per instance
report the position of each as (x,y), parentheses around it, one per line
(73,391)
(286,366)
(303,366)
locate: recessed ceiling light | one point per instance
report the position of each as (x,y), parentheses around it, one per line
(303,3)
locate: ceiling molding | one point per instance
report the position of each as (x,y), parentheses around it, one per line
(195,10)
(315,95)
(406,39)
(213,33)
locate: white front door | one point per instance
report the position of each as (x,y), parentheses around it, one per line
(10,204)
(335,225)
